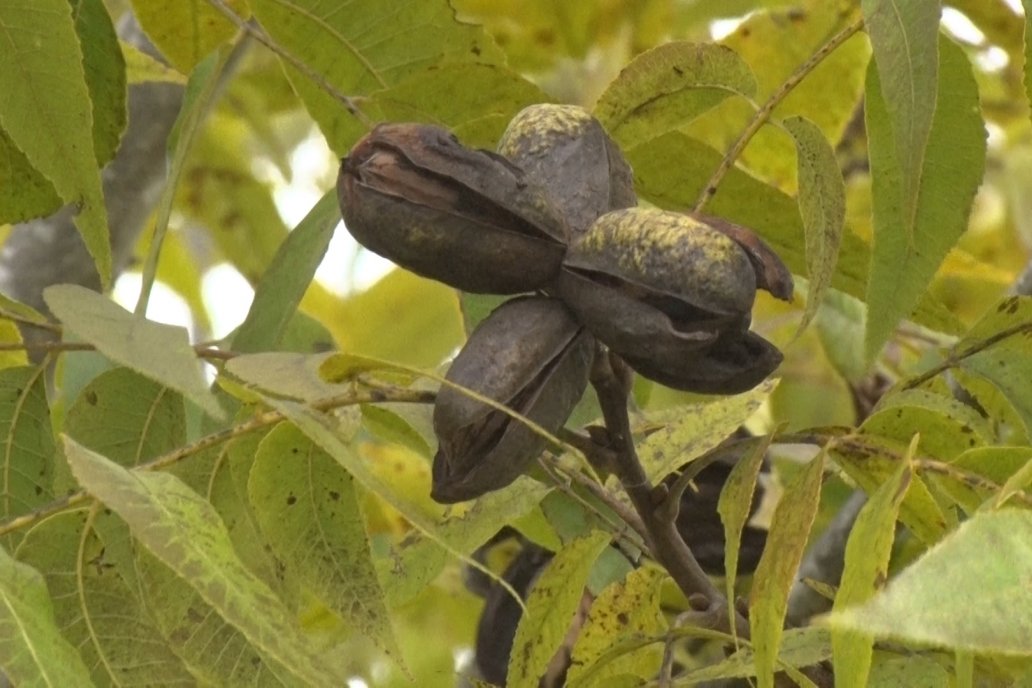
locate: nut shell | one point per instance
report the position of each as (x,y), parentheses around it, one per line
(529,354)
(568,152)
(471,219)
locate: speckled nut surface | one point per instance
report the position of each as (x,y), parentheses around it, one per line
(529,354)
(567,152)
(471,219)
(672,296)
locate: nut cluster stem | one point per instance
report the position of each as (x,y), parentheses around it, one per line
(611,377)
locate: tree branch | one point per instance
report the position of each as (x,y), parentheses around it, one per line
(611,380)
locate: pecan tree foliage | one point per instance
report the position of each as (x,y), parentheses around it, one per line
(616,327)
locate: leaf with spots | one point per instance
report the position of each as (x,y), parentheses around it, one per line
(32,650)
(626,609)
(776,572)
(866,567)
(553,601)
(184,532)
(668,86)
(697,428)
(947,426)
(870,460)
(28,441)
(307,507)
(1001,352)
(988,558)
(822,205)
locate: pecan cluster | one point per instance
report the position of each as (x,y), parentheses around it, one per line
(552,217)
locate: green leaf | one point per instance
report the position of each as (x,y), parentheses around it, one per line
(370,47)
(910,243)
(389,426)
(735,506)
(668,86)
(1006,364)
(104,68)
(284,374)
(776,572)
(127,417)
(905,38)
(28,441)
(32,651)
(774,43)
(550,609)
(94,607)
(1027,67)
(474,100)
(822,205)
(697,428)
(186,31)
(279,292)
(671,170)
(141,68)
(626,609)
(307,507)
(988,557)
(866,566)
(914,671)
(216,652)
(185,533)
(160,352)
(47,113)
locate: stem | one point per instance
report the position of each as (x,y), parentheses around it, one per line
(350,104)
(262,420)
(665,542)
(202,350)
(955,358)
(763,114)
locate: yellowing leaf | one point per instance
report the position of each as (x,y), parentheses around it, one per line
(909,249)
(776,572)
(866,566)
(142,68)
(550,609)
(186,30)
(668,86)
(47,113)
